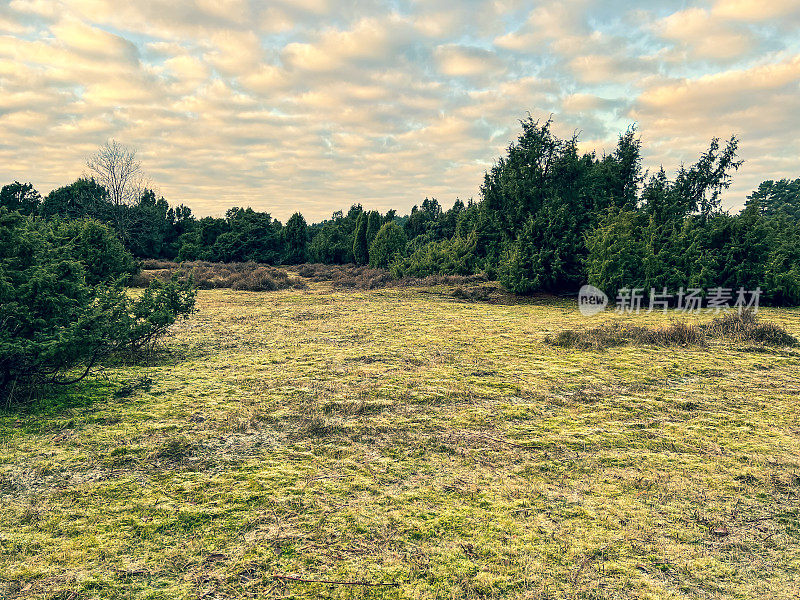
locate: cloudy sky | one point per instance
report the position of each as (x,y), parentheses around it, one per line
(312,105)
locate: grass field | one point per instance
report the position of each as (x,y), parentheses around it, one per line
(403,437)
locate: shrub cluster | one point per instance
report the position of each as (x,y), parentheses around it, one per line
(257,277)
(746,327)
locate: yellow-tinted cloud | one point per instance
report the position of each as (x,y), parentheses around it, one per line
(756,104)
(460,61)
(705,35)
(315,104)
(756,10)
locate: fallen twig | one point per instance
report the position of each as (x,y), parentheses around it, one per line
(768,517)
(506,442)
(334,582)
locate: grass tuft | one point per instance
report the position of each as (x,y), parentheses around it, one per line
(730,327)
(175,449)
(746,327)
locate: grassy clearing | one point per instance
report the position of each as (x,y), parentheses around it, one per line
(405,436)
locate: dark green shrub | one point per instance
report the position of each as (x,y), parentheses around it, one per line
(390,243)
(95,246)
(161,303)
(296,240)
(374,223)
(56,319)
(360,244)
(447,257)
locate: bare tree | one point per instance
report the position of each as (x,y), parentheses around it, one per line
(116,168)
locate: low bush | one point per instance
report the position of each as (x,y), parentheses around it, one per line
(361,277)
(745,327)
(734,327)
(258,280)
(677,333)
(590,339)
(257,277)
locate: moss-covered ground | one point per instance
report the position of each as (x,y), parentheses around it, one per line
(403,437)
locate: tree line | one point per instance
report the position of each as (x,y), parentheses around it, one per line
(549,218)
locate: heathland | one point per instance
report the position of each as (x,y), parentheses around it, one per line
(413,437)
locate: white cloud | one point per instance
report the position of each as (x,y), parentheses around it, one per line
(756,104)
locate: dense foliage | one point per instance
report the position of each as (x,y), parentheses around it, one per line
(678,238)
(389,244)
(549,219)
(777,197)
(63,306)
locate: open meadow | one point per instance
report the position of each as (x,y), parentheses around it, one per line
(404,437)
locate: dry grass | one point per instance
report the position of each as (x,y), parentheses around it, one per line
(258,277)
(249,276)
(346,276)
(404,436)
(747,327)
(729,327)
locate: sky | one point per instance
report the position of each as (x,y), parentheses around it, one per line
(313,105)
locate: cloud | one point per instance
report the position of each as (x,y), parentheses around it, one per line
(92,41)
(756,104)
(706,36)
(756,10)
(316,104)
(601,68)
(462,61)
(546,23)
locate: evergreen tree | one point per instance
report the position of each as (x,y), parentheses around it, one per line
(360,248)
(250,235)
(62,304)
(83,198)
(20,197)
(389,244)
(374,223)
(296,239)
(782,268)
(542,198)
(776,197)
(147,225)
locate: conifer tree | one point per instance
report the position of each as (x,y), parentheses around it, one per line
(360,248)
